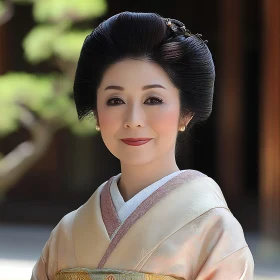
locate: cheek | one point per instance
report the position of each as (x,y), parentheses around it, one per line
(166,120)
(109,126)
(107,120)
(108,117)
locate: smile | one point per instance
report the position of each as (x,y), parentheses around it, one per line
(136,142)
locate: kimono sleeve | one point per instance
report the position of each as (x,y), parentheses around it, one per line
(224,251)
(40,269)
(237,266)
(58,252)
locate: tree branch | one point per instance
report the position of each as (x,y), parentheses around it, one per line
(14,165)
(26,117)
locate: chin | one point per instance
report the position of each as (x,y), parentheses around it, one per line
(136,160)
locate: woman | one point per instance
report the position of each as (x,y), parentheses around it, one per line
(145,78)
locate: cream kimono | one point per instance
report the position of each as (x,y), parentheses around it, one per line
(182,230)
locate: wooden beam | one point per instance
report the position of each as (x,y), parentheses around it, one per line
(229,100)
(269,150)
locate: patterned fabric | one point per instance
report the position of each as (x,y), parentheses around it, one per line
(107,274)
(108,211)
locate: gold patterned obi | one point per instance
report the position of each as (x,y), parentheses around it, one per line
(107,274)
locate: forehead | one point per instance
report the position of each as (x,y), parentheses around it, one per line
(135,73)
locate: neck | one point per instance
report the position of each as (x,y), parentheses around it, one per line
(135,178)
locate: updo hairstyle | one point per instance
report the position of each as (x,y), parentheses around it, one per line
(186,60)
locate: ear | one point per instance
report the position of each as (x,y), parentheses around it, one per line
(186,119)
(96,117)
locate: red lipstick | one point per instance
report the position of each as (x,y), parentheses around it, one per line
(136,141)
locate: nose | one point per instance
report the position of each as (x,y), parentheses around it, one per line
(134,116)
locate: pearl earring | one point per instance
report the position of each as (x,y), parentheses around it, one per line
(97,128)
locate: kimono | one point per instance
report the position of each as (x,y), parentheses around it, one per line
(184,229)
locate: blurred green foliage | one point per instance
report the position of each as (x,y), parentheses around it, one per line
(59,10)
(55,39)
(2,8)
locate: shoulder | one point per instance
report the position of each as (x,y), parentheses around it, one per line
(62,234)
(219,232)
(212,218)
(59,250)
(67,222)
(60,237)
(201,190)
(219,235)
(199,178)
(211,237)
(223,222)
(196,176)
(220,246)
(218,213)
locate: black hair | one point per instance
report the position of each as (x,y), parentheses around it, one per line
(186,60)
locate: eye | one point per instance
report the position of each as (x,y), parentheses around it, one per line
(114,101)
(154,101)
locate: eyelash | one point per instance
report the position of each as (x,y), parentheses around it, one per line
(159,101)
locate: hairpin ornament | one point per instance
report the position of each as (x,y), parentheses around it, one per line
(179,28)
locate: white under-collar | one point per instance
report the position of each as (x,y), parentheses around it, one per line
(124,209)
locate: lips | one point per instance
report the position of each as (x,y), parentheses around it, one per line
(136,141)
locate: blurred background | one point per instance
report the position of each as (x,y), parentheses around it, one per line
(50,163)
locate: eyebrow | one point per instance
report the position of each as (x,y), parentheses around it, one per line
(114,87)
(143,88)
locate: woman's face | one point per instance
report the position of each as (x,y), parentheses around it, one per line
(136,99)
